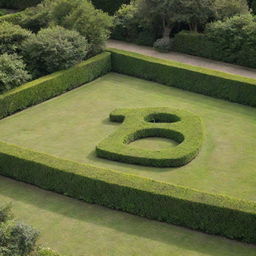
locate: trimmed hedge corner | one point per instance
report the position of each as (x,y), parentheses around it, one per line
(200,80)
(55,84)
(180,126)
(169,203)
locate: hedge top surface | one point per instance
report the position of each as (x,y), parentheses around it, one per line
(127,180)
(178,125)
(179,65)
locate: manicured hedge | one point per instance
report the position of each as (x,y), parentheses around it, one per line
(199,45)
(55,84)
(211,213)
(153,122)
(18,4)
(200,80)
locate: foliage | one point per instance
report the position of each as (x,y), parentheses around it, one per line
(45,252)
(235,39)
(80,15)
(163,44)
(212,213)
(5,213)
(110,6)
(129,26)
(54,49)
(12,72)
(3,12)
(55,84)
(229,8)
(153,122)
(11,37)
(195,79)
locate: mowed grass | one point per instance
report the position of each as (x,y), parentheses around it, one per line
(70,126)
(75,228)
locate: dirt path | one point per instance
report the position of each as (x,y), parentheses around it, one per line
(184,58)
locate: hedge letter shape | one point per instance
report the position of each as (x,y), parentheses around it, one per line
(178,125)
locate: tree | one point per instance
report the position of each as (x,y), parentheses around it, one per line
(164,10)
(229,8)
(196,12)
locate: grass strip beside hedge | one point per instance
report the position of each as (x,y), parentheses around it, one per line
(196,79)
(215,214)
(55,84)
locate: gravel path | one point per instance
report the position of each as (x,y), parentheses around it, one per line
(184,58)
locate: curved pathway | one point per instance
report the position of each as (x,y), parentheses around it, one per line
(184,58)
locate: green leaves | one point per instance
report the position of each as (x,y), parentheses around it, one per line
(180,126)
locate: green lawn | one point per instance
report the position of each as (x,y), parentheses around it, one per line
(76,228)
(70,126)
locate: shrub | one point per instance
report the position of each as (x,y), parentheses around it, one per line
(163,44)
(195,44)
(3,12)
(22,239)
(160,122)
(212,213)
(11,37)
(54,49)
(80,15)
(55,84)
(200,80)
(5,213)
(235,39)
(12,72)
(129,26)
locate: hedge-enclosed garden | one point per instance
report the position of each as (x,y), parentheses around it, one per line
(153,138)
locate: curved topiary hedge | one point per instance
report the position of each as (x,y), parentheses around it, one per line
(180,126)
(215,214)
(196,79)
(55,84)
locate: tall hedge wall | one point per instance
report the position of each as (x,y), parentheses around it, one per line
(200,80)
(211,213)
(55,84)
(197,44)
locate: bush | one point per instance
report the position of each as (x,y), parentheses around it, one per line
(195,44)
(5,213)
(11,37)
(232,40)
(129,26)
(22,239)
(54,84)
(163,44)
(215,214)
(54,49)
(159,123)
(12,72)
(80,15)
(200,80)
(235,39)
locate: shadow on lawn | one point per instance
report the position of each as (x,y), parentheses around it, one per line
(122,222)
